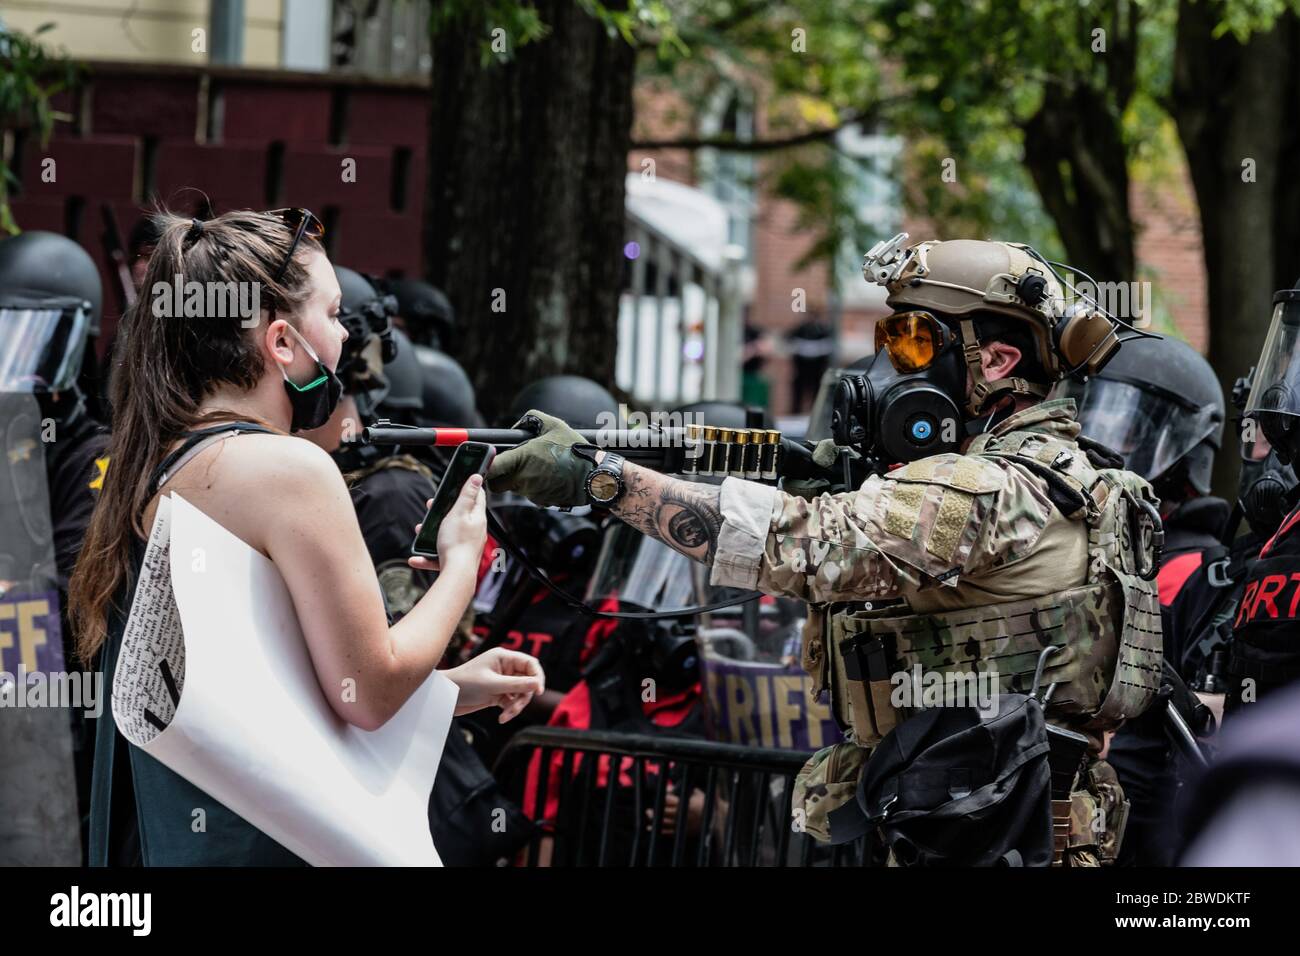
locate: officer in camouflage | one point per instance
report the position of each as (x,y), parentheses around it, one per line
(1002,535)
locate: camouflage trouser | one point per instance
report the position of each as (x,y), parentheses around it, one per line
(1089,827)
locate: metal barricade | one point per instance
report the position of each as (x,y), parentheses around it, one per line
(668,801)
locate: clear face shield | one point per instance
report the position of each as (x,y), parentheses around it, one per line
(1274,400)
(640,572)
(1151,428)
(41,344)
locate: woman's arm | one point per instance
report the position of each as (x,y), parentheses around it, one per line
(366,669)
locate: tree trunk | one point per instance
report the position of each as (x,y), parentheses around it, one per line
(1076,156)
(524,227)
(1233,104)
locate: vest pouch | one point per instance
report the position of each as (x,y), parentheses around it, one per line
(828,783)
(1007,640)
(863,665)
(1098,818)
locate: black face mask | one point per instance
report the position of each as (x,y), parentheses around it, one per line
(313,403)
(891,417)
(1265,493)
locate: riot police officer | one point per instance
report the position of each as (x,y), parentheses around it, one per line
(50,300)
(1238,809)
(1198,632)
(423,312)
(1158,403)
(1001,524)
(1264,654)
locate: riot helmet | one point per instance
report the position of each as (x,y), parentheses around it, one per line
(425,313)
(571,398)
(1274,400)
(448,394)
(50,300)
(1159,405)
(405,396)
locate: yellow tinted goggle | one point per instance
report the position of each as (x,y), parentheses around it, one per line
(911,339)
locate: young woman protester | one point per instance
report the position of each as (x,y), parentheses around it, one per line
(204,406)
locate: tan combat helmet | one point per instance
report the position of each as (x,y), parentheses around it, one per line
(963,276)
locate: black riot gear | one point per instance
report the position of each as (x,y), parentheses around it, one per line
(426,314)
(371,344)
(45,265)
(50,307)
(405,396)
(52,467)
(1274,401)
(578,401)
(1266,488)
(448,395)
(1158,403)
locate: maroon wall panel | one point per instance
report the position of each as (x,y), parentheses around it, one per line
(378,242)
(233,176)
(141,105)
(97,167)
(126,107)
(313,176)
(388,118)
(263,112)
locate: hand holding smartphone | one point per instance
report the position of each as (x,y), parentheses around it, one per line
(471,458)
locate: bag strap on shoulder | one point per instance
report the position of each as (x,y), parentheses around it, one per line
(163,471)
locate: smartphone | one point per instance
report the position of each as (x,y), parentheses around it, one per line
(470,458)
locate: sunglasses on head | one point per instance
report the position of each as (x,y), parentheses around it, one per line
(912,340)
(303,223)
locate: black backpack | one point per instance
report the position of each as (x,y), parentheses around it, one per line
(949,787)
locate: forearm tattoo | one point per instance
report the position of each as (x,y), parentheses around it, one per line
(683,515)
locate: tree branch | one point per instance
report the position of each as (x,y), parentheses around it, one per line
(731,144)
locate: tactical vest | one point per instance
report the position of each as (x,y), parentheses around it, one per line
(1265,653)
(1107,628)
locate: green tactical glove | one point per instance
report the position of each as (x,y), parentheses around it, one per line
(545,470)
(824,455)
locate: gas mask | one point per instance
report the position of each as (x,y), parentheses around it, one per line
(909,403)
(1265,485)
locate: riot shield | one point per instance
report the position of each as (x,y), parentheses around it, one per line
(39,822)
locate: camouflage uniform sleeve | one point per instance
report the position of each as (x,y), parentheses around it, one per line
(928,523)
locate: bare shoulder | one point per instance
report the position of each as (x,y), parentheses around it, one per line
(268,461)
(251,483)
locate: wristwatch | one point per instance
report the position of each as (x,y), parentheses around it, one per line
(605,485)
